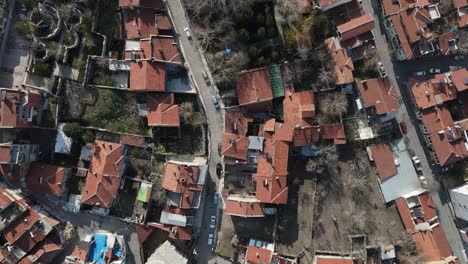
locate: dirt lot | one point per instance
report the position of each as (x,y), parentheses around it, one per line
(296,221)
(259,228)
(350,203)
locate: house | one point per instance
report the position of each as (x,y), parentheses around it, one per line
(19,108)
(167,253)
(333,132)
(107,166)
(111,247)
(298,107)
(47,179)
(384,160)
(157,4)
(344,66)
(436,119)
(356,27)
(379,95)
(161,110)
(234,146)
(459,197)
(461,7)
(277,131)
(254,90)
(155,48)
(419,217)
(143,22)
(306,136)
(448,43)
(184,184)
(326,5)
(272,173)
(431,92)
(15,160)
(148,76)
(459,79)
(325,259)
(258,255)
(244,207)
(26,230)
(237,123)
(449,146)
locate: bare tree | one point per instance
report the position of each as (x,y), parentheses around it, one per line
(333,104)
(463,41)
(445,7)
(327,77)
(189,116)
(212,37)
(224,69)
(371,62)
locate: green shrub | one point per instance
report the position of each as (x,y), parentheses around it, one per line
(243,35)
(73,130)
(88,136)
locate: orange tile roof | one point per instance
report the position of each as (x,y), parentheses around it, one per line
(436,119)
(283,132)
(144,3)
(428,93)
(132,140)
(415,21)
(463,20)
(333,260)
(12,107)
(448,152)
(182,179)
(433,245)
(298,106)
(47,249)
(356,27)
(272,189)
(304,136)
(255,255)
(45,178)
(161,110)
(379,93)
(103,180)
(235,146)
(460,79)
(335,132)
(148,76)
(344,66)
(5,154)
(254,86)
(405,45)
(140,23)
(428,206)
(79,254)
(447,44)
(237,120)
(162,48)
(176,232)
(405,214)
(276,155)
(384,160)
(390,7)
(20,226)
(244,209)
(460,3)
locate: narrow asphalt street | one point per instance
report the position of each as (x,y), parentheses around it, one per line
(195,64)
(398,73)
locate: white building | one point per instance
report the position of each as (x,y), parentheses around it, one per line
(459,197)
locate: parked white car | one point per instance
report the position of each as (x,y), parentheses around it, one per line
(420,73)
(459,57)
(187,32)
(210,239)
(212,221)
(434,70)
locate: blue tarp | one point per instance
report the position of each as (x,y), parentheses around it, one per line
(97,247)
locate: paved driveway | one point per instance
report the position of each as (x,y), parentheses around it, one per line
(398,72)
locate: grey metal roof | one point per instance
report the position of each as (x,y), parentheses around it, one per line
(166,254)
(173,219)
(256,143)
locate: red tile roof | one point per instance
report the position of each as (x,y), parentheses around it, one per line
(144,3)
(20,226)
(460,3)
(428,206)
(415,23)
(255,255)
(5,154)
(462,19)
(404,42)
(298,106)
(47,249)
(140,23)
(176,232)
(182,179)
(379,93)
(45,178)
(79,254)
(436,119)
(304,136)
(405,214)
(15,106)
(333,260)
(236,123)
(356,27)
(384,160)
(430,93)
(162,112)
(234,146)
(103,180)
(162,48)
(344,66)
(448,44)
(244,209)
(132,140)
(433,245)
(143,232)
(460,79)
(281,131)
(148,76)
(335,132)
(448,151)
(276,155)
(254,86)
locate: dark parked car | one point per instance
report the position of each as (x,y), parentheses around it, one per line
(219,149)
(219,169)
